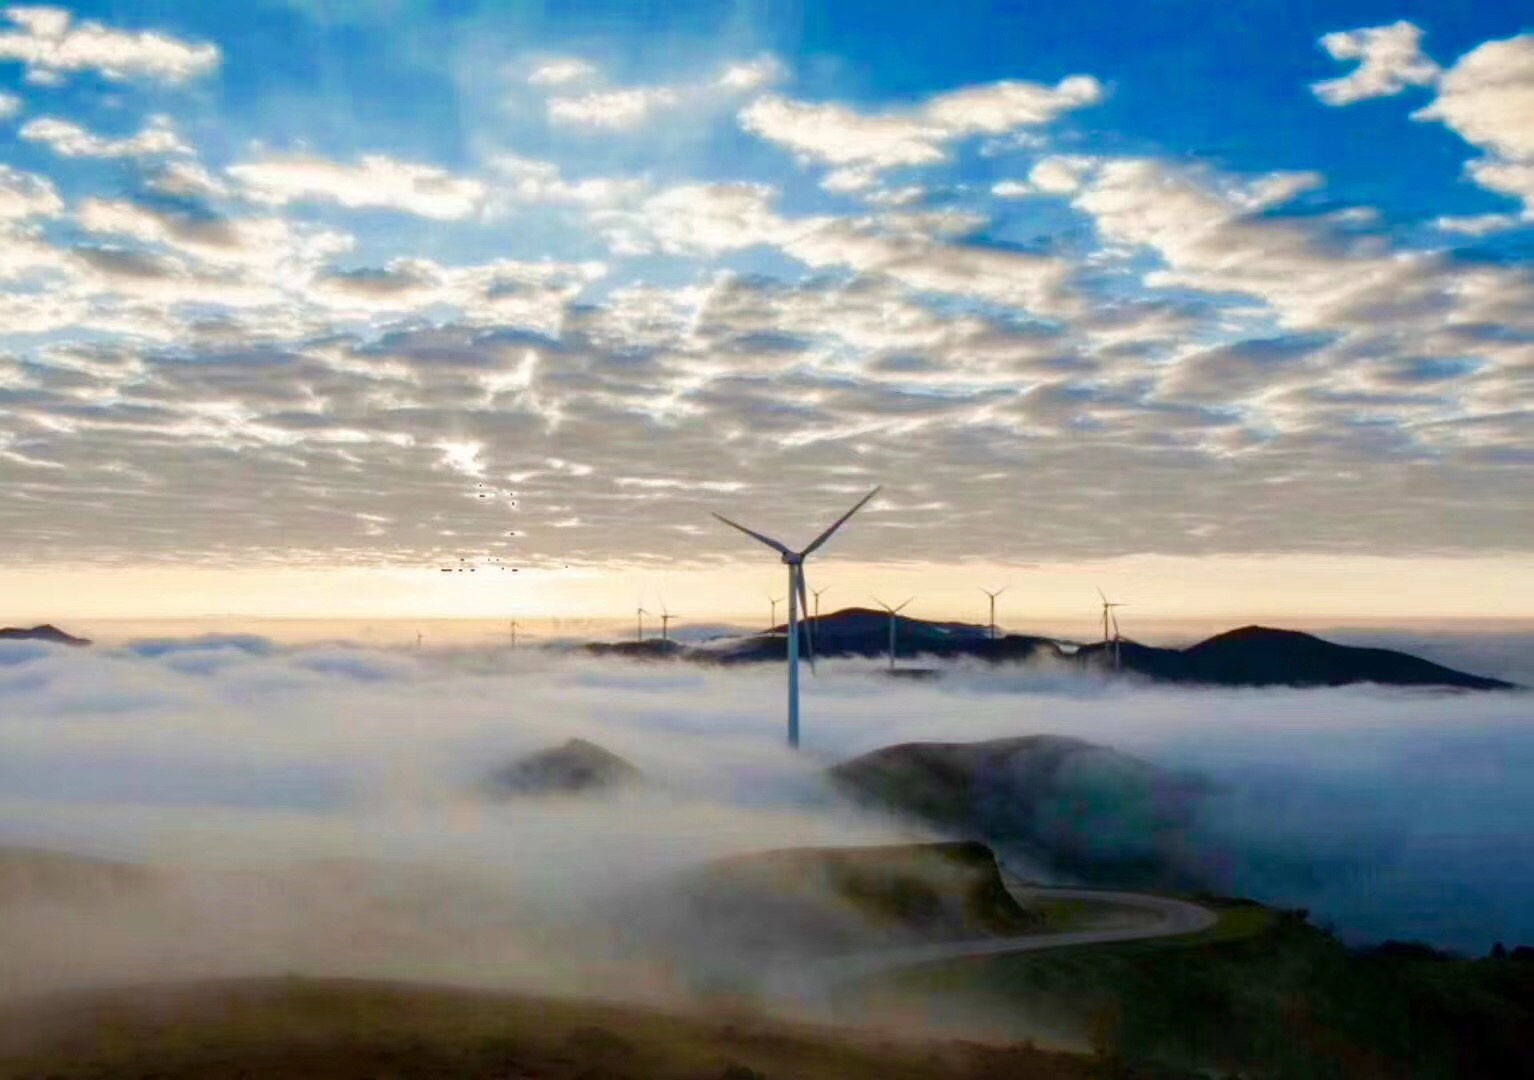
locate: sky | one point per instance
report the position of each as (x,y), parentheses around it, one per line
(1229,307)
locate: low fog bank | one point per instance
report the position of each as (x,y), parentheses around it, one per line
(316,808)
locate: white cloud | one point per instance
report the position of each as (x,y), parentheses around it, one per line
(625,108)
(921,261)
(1476,224)
(68,139)
(23,195)
(996,108)
(51,45)
(612,109)
(251,241)
(750,75)
(1390,59)
(1487,98)
(526,181)
(1059,175)
(10,105)
(1011,189)
(561,72)
(850,180)
(374,181)
(186,180)
(836,135)
(697,219)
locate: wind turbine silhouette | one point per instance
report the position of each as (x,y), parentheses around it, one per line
(772,619)
(665,619)
(993,596)
(893,612)
(639,633)
(816,593)
(1110,618)
(794,560)
(514,625)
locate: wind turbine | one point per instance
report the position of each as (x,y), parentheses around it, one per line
(665,619)
(513,627)
(772,619)
(893,612)
(639,632)
(794,560)
(1109,618)
(817,592)
(993,596)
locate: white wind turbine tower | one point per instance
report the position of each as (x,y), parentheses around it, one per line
(893,612)
(794,560)
(993,596)
(1110,618)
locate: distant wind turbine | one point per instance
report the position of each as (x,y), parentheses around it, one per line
(794,560)
(513,628)
(993,596)
(772,619)
(639,632)
(1112,619)
(665,619)
(893,612)
(816,593)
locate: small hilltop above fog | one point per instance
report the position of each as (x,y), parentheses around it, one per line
(1250,656)
(576,767)
(46,632)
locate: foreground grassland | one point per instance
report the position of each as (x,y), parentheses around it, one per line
(1260,994)
(349,1030)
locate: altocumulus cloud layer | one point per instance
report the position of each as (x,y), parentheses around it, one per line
(321,802)
(614,297)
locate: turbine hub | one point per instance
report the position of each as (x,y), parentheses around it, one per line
(792,559)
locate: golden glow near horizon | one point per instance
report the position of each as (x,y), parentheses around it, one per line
(1154,588)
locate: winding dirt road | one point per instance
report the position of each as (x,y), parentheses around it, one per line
(1169,918)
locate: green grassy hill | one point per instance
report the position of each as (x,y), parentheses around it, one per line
(1262,995)
(350,1030)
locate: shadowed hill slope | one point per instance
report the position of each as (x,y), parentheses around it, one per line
(815,901)
(1075,808)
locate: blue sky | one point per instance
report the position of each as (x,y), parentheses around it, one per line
(367,282)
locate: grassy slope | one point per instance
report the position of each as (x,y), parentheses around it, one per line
(334,1029)
(1262,995)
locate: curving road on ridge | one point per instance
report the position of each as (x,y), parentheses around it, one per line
(1170,918)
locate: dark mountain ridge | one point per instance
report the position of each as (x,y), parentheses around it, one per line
(45,632)
(1248,656)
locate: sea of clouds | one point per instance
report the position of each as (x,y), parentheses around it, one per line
(319,805)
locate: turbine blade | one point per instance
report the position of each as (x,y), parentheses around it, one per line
(1099,588)
(769,541)
(898,609)
(837,524)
